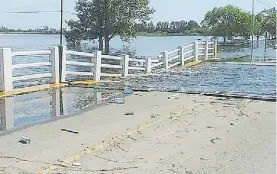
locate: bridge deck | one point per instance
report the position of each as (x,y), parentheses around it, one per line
(177,134)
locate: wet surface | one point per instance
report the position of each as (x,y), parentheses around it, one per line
(41,106)
(26,109)
(214,77)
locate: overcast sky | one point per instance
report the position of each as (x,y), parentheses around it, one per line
(166,10)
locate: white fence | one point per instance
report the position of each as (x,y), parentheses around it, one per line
(97,62)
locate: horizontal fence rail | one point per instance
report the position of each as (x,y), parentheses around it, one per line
(99,65)
(29,53)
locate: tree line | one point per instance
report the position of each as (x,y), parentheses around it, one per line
(182,27)
(102,20)
(44,29)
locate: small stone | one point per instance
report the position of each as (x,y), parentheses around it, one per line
(76,164)
(25,140)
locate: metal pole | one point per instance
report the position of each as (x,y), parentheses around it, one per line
(265,45)
(61,29)
(253,25)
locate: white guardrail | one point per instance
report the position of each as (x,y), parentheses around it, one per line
(126,65)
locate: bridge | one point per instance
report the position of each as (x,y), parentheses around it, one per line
(98,65)
(154,131)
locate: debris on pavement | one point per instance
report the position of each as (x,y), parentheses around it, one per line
(210,127)
(25,140)
(76,164)
(66,130)
(213,140)
(129,91)
(118,100)
(129,113)
(174,96)
(153,115)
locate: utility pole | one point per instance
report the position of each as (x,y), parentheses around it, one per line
(253,25)
(61,29)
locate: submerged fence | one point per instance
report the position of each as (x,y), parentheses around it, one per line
(99,65)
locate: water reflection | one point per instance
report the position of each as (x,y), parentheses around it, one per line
(262,50)
(41,106)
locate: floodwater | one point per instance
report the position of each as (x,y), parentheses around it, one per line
(141,46)
(22,110)
(250,80)
(40,106)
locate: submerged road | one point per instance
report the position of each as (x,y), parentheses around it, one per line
(152,132)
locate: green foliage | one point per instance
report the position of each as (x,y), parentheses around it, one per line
(268,21)
(104,19)
(170,28)
(230,21)
(227,22)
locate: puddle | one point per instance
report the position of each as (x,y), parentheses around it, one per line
(26,109)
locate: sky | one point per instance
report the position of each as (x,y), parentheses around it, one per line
(166,10)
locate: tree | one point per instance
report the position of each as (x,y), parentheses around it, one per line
(104,19)
(45,29)
(192,24)
(269,21)
(259,29)
(227,22)
(150,27)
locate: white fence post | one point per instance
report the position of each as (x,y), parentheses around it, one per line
(148,65)
(206,50)
(181,53)
(7,113)
(6,77)
(56,100)
(215,49)
(97,65)
(62,63)
(97,96)
(196,50)
(125,65)
(165,59)
(55,64)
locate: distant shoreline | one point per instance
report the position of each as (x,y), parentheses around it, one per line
(29,33)
(168,34)
(139,34)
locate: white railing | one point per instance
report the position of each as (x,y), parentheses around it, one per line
(122,65)
(92,62)
(6,72)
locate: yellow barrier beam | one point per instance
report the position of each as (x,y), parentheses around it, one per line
(193,63)
(43,88)
(85,82)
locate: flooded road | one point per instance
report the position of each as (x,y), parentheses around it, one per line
(27,109)
(41,106)
(215,77)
